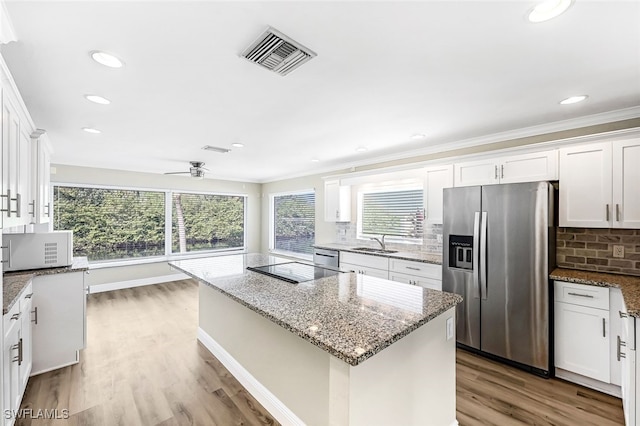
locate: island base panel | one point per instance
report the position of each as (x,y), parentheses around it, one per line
(411,382)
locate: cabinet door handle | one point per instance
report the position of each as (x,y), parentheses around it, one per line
(496,171)
(48,212)
(604,331)
(502,171)
(8,260)
(617,212)
(581,295)
(619,352)
(607,212)
(20,355)
(33,208)
(35,312)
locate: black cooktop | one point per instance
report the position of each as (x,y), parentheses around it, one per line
(295,272)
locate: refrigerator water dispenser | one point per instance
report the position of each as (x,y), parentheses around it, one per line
(461,251)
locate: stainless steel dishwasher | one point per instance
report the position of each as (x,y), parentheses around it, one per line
(326,257)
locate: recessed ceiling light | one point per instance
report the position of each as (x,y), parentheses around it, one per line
(548,10)
(97,99)
(574,100)
(315,160)
(106,59)
(91,130)
(361,149)
(418,136)
(237,145)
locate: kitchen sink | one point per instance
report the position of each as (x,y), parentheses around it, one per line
(373,250)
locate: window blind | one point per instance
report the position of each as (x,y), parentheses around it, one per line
(393,213)
(294,222)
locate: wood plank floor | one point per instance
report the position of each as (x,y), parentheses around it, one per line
(144,366)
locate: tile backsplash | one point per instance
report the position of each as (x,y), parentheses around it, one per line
(346,233)
(592,249)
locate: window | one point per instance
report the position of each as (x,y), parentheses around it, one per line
(396,213)
(120,224)
(206,222)
(294,222)
(111,223)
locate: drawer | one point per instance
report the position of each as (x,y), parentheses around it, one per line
(7,320)
(364,260)
(365,270)
(421,269)
(582,295)
(435,284)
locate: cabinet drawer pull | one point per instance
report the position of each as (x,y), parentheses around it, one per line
(623,314)
(619,352)
(581,295)
(28,296)
(413,268)
(15,316)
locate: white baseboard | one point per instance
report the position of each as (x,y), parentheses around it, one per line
(268,400)
(588,382)
(119,285)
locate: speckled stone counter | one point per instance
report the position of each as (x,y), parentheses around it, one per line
(13,283)
(350,316)
(629,285)
(417,256)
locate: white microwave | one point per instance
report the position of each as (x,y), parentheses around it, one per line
(37,250)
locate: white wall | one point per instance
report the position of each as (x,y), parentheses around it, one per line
(120,178)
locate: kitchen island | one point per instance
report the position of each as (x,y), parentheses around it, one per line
(342,350)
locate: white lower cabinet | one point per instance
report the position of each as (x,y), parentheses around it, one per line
(582,334)
(16,366)
(403,271)
(417,273)
(59,305)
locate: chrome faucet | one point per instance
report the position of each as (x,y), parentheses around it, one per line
(381,242)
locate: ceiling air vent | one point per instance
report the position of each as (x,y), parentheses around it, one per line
(277,52)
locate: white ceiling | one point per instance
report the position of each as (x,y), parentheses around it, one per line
(385,70)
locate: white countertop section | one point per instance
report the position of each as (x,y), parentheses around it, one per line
(350,316)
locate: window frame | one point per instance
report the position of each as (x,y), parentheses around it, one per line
(397,187)
(272,237)
(168,255)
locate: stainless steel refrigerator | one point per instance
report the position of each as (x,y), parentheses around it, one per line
(499,247)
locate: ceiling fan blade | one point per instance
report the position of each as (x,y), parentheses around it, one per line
(177,173)
(205,169)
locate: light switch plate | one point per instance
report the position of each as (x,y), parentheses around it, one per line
(439,238)
(618,251)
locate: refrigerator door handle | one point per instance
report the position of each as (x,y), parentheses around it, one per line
(483,256)
(476,263)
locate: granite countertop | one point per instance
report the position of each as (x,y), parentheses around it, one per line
(629,285)
(14,282)
(350,316)
(417,256)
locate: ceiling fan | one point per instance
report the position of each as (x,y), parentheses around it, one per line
(196,170)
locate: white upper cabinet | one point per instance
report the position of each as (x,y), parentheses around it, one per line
(483,172)
(599,185)
(626,184)
(13,160)
(436,179)
(337,202)
(532,167)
